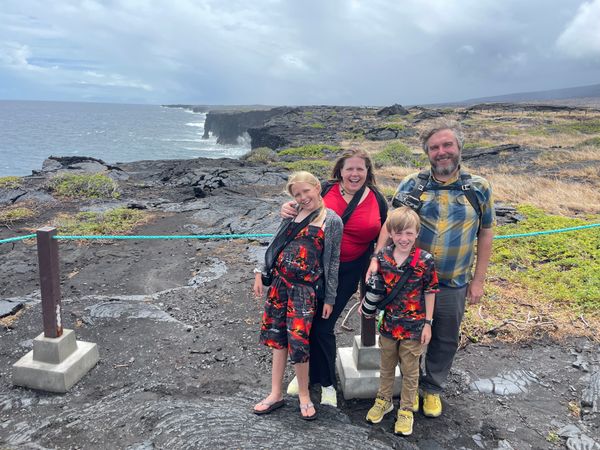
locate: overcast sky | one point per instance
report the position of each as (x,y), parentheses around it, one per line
(370,52)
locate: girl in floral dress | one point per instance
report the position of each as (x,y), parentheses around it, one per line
(297,266)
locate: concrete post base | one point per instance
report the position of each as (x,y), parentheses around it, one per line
(358,369)
(55,364)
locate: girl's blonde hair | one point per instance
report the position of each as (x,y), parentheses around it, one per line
(307,177)
(401,219)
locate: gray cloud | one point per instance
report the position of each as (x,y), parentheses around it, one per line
(310,52)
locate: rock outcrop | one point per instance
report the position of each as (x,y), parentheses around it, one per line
(228,126)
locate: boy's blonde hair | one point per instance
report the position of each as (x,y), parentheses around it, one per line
(401,219)
(307,177)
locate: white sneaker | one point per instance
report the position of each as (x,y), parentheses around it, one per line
(328,396)
(292,388)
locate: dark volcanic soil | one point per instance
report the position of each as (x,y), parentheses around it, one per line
(177,327)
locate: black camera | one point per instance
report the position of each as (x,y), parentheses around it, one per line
(404,199)
(375,292)
(267,278)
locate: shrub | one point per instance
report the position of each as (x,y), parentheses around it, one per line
(113,221)
(10,182)
(309,151)
(84,186)
(260,155)
(320,169)
(394,154)
(395,126)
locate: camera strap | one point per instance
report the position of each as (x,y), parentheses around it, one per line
(294,228)
(408,271)
(353,204)
(413,198)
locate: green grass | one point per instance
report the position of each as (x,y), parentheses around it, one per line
(584,127)
(593,142)
(114,221)
(561,268)
(395,154)
(10,215)
(309,151)
(84,186)
(317,125)
(260,155)
(10,182)
(478,144)
(320,169)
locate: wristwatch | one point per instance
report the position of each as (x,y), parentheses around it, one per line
(429,321)
(257,270)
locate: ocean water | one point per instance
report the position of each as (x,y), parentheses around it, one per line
(31,131)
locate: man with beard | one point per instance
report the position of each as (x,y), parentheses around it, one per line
(454,229)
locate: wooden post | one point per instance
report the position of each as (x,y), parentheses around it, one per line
(49,281)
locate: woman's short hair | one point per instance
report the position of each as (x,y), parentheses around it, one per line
(336,173)
(401,219)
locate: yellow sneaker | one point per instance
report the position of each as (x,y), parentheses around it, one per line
(404,423)
(379,409)
(432,405)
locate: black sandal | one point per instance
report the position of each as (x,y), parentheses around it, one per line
(305,407)
(272,406)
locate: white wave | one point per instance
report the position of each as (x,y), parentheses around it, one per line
(244,140)
(183,140)
(195,124)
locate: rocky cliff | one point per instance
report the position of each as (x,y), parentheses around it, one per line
(228,126)
(284,127)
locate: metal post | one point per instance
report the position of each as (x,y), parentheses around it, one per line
(49,281)
(367,331)
(367,326)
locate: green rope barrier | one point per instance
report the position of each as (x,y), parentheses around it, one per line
(537,233)
(14,239)
(199,236)
(252,236)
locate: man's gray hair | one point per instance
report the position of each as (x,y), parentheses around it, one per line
(441,125)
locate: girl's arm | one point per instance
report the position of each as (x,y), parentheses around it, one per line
(258,285)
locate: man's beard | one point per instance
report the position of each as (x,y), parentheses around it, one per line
(447,170)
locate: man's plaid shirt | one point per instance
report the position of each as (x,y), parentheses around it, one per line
(449,225)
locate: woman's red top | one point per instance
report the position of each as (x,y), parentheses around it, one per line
(363,226)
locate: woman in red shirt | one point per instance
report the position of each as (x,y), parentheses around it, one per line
(352,170)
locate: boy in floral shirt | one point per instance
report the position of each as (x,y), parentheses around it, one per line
(405,328)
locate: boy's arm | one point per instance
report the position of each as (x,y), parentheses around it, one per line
(429,306)
(382,241)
